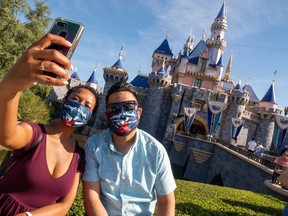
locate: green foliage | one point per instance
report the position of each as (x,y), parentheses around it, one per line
(77,208)
(200,199)
(20,26)
(33,108)
(41,90)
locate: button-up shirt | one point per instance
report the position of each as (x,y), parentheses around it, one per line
(129,182)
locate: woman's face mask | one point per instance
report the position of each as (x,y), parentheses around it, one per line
(122,117)
(74,114)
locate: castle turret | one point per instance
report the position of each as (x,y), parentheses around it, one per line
(92,80)
(216,43)
(237,101)
(153,105)
(115,73)
(163,52)
(267,111)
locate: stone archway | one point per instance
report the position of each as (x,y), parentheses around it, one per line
(198,128)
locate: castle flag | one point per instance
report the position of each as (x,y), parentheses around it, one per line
(280,132)
(189,115)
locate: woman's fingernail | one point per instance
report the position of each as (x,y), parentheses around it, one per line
(72,68)
(69,43)
(65,82)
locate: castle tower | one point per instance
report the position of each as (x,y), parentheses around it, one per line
(115,73)
(267,111)
(216,43)
(92,80)
(237,101)
(153,105)
(163,52)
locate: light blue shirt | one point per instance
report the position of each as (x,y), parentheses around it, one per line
(129,183)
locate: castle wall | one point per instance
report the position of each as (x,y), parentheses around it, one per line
(264,132)
(201,161)
(152,109)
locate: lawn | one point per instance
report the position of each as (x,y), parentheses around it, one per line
(193,198)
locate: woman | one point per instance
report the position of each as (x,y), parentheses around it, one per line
(281,160)
(46,180)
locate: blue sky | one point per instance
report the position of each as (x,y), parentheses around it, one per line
(257,35)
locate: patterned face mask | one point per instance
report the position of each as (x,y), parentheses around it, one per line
(74,114)
(123,122)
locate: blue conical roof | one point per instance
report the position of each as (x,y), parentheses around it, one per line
(238,87)
(270,95)
(222,13)
(198,50)
(92,78)
(74,75)
(164,48)
(161,70)
(118,64)
(253,96)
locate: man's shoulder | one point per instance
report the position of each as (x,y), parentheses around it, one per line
(99,138)
(149,141)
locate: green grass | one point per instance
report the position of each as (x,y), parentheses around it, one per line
(193,198)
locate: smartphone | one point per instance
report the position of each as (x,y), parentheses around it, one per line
(71,31)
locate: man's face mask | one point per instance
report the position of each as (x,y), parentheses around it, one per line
(74,114)
(122,117)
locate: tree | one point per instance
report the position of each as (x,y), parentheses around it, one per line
(20,26)
(32,108)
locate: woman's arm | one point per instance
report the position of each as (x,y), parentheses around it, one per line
(27,70)
(62,206)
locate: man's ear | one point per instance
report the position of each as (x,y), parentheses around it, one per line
(139,112)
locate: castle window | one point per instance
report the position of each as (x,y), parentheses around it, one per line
(202,64)
(198,83)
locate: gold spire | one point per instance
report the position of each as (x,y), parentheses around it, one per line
(203,35)
(228,69)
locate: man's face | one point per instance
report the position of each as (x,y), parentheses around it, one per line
(123,99)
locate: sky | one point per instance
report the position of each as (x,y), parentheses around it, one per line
(257,35)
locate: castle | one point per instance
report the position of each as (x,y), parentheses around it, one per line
(193,94)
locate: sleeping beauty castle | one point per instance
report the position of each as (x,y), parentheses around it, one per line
(192,93)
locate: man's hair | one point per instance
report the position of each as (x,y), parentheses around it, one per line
(121,86)
(89,88)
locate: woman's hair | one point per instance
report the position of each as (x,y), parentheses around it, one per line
(283,151)
(89,88)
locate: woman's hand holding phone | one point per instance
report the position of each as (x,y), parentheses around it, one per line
(37,58)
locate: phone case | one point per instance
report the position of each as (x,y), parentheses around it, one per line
(70,30)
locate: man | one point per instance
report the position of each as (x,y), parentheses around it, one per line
(127,170)
(251,145)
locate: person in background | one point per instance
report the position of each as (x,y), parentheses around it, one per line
(46,180)
(251,145)
(259,150)
(282,160)
(127,170)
